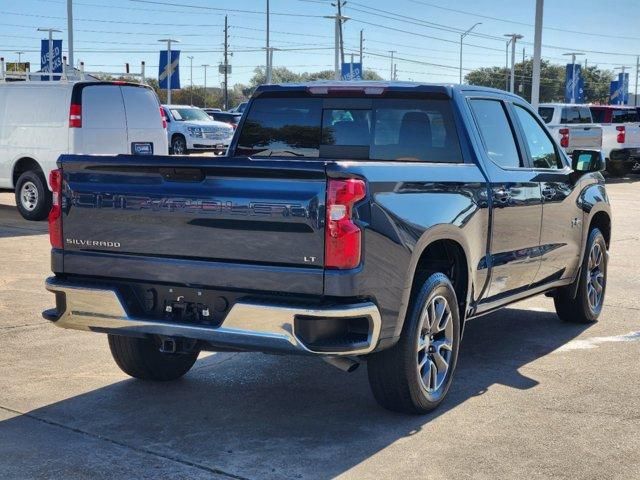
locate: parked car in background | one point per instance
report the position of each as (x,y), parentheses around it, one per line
(620,137)
(239,108)
(190,129)
(232,119)
(353,223)
(210,111)
(572,126)
(39,121)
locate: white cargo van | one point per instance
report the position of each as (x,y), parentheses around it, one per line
(39,121)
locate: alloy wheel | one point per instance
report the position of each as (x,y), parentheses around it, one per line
(179,147)
(435,344)
(595,279)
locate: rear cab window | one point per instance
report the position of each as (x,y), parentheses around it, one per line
(392,129)
(546,113)
(624,115)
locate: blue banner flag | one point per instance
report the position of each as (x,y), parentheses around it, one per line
(623,86)
(352,71)
(56,58)
(614,93)
(574,86)
(167,69)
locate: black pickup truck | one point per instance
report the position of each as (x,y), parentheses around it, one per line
(358,222)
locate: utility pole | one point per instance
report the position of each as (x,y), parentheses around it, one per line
(635,97)
(70,32)
(506,66)
(392,52)
(361,48)
(338,19)
(523,72)
(462,35)
(19,60)
(269,65)
(395,72)
(169,67)
(573,74)
(226,63)
(537,53)
(190,57)
(205,83)
(340,4)
(514,38)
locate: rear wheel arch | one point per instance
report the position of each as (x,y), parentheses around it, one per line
(445,253)
(24,164)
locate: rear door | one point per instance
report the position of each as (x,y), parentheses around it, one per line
(516,201)
(144,123)
(104,123)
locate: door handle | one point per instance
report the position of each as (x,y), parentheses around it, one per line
(548,192)
(502,196)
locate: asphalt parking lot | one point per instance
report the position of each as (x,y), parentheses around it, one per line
(532,398)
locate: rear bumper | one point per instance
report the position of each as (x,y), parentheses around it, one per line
(267,327)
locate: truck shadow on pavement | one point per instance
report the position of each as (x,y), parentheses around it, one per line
(261,416)
(13,225)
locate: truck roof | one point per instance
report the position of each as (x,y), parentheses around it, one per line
(398,86)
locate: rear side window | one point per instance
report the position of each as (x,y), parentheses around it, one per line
(624,116)
(546,113)
(496,132)
(585,115)
(102,107)
(379,129)
(570,115)
(142,108)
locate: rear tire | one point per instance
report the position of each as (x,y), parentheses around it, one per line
(33,197)
(414,375)
(586,306)
(141,358)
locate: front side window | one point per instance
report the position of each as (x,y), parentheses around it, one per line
(540,146)
(496,132)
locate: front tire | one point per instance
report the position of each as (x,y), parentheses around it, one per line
(586,306)
(141,358)
(179,145)
(414,375)
(33,198)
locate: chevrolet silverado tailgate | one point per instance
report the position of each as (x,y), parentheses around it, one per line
(585,137)
(235,211)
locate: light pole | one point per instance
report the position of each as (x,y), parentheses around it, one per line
(514,38)
(573,74)
(537,53)
(50,30)
(190,57)
(169,68)
(269,53)
(205,83)
(392,52)
(462,35)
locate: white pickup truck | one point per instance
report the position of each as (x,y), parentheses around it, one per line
(620,137)
(572,125)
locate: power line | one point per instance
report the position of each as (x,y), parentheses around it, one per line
(201,7)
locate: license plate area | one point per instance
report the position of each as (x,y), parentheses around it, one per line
(142,148)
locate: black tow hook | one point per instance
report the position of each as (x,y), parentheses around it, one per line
(168,345)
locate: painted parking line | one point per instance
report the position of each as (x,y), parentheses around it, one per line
(594,342)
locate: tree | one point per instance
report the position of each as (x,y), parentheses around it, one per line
(552,81)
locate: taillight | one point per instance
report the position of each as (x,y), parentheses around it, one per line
(164,119)
(342,239)
(564,139)
(55,215)
(75,116)
(621,133)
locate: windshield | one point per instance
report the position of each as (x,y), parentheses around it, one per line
(189,114)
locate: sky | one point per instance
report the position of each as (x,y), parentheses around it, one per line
(424,34)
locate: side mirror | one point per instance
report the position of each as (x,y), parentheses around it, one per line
(587,161)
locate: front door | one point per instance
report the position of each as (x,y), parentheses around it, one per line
(513,257)
(561,235)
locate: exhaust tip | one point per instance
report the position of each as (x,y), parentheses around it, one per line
(346,364)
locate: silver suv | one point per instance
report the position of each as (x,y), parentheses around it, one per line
(190,129)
